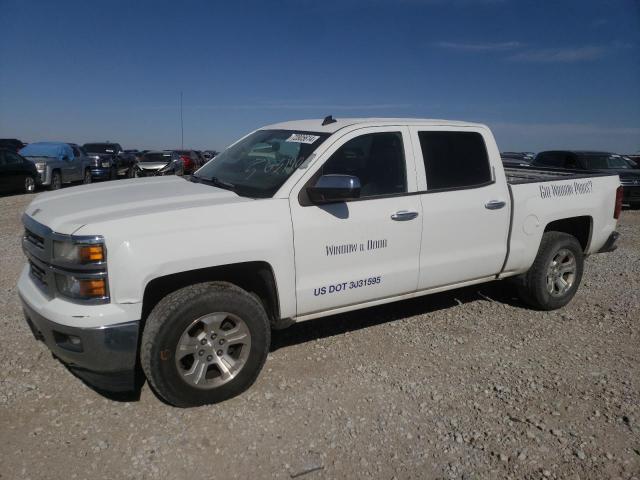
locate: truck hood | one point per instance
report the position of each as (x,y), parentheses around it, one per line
(67,210)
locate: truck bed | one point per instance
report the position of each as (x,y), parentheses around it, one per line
(518,175)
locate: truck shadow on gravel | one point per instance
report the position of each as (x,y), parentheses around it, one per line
(498,291)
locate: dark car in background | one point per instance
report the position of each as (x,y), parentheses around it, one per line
(156,163)
(595,162)
(135,153)
(17,174)
(632,160)
(109,161)
(12,144)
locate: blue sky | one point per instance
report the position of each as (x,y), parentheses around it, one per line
(542,74)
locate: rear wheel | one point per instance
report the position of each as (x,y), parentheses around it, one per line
(204,343)
(29,184)
(56,180)
(555,275)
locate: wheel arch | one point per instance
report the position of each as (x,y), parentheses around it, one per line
(255,277)
(580,227)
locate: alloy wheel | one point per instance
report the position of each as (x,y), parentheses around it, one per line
(561,273)
(212,350)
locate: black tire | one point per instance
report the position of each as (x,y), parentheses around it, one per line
(29,184)
(174,314)
(533,286)
(56,180)
(131,172)
(86,179)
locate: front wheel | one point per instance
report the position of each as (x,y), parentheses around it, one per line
(555,275)
(56,181)
(86,179)
(204,343)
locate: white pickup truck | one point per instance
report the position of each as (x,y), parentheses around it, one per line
(295,221)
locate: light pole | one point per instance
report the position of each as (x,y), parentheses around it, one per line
(181,124)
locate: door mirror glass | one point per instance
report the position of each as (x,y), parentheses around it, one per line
(334,188)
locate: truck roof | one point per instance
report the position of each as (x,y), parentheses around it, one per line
(315,125)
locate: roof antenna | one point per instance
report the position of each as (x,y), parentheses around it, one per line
(328,120)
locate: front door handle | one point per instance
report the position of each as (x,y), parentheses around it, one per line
(495,204)
(402,215)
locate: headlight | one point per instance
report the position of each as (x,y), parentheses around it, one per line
(81,288)
(40,166)
(78,253)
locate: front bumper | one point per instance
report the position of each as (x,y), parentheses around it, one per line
(101,172)
(44,178)
(104,357)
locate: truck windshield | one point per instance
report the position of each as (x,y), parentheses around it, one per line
(100,148)
(604,162)
(258,165)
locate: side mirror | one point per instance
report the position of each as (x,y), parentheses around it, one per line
(334,188)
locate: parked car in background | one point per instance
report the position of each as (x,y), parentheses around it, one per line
(208,155)
(603,162)
(78,152)
(12,144)
(109,160)
(191,160)
(135,153)
(154,163)
(56,163)
(516,159)
(632,160)
(17,174)
(527,156)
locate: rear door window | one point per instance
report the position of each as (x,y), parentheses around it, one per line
(454,160)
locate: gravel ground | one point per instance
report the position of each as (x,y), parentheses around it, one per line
(465,384)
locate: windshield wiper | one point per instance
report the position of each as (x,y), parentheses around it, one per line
(214,181)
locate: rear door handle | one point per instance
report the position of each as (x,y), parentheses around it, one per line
(403,215)
(495,204)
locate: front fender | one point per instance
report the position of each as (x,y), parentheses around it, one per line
(141,249)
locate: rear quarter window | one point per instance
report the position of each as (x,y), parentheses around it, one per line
(454,160)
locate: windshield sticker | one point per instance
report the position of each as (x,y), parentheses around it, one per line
(566,189)
(302,138)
